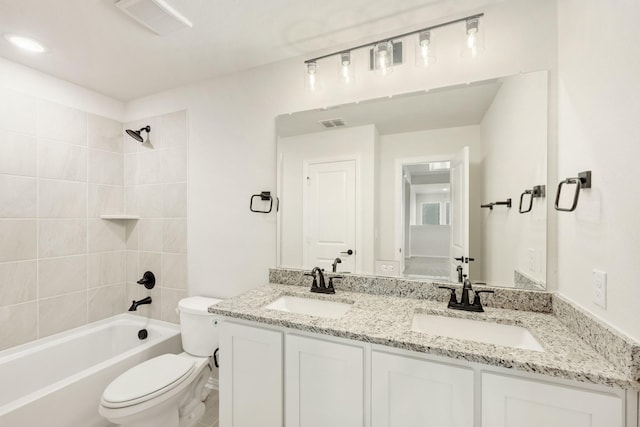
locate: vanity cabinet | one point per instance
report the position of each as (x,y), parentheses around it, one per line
(411,392)
(251,376)
(516,402)
(324,383)
(271,376)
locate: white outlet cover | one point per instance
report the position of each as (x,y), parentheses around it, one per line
(599,286)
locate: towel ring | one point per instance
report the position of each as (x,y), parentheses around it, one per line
(582,181)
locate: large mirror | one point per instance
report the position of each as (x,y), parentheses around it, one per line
(435,184)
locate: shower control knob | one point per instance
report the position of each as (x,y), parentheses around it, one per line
(148,280)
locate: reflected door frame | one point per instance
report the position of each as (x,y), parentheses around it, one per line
(357,244)
(398,194)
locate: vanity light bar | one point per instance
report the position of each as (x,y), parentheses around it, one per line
(388,39)
(386,53)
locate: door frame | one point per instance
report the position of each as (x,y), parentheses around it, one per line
(398,190)
(358,208)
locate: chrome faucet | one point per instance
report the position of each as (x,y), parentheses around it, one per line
(464,303)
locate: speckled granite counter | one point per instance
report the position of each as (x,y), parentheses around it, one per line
(386,320)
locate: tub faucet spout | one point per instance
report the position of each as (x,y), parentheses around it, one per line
(135,304)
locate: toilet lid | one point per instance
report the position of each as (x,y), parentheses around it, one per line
(147,380)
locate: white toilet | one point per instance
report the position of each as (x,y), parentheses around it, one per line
(167,391)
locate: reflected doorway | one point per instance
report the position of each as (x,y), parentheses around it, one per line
(433,216)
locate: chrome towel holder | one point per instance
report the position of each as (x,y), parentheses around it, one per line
(583,180)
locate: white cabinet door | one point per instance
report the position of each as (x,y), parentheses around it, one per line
(324,383)
(410,392)
(250,376)
(514,402)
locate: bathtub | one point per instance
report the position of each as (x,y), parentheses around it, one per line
(58,381)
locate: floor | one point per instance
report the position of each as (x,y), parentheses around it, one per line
(437,268)
(210,417)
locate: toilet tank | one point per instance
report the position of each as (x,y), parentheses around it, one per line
(199,327)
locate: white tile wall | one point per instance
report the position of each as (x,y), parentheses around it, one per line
(62,199)
(156,189)
(61,265)
(17,197)
(60,237)
(63,275)
(60,313)
(18,153)
(48,280)
(17,239)
(62,161)
(62,123)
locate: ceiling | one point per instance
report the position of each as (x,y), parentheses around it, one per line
(93,44)
(455,106)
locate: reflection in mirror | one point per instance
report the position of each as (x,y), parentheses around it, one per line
(394,186)
(426,192)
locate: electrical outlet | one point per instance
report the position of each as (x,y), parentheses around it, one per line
(600,288)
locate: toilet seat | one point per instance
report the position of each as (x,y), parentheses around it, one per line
(147,380)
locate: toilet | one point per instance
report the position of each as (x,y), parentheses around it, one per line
(167,391)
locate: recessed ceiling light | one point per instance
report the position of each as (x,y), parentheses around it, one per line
(25,43)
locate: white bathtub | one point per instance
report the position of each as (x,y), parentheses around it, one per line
(58,381)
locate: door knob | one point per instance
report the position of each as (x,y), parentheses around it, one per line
(347,252)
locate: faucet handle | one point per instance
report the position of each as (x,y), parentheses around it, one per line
(331,281)
(453,299)
(315,282)
(476,298)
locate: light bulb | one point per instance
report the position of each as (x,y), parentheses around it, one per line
(383,57)
(425,53)
(346,68)
(473,44)
(311,77)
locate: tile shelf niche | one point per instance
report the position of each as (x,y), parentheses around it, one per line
(119,216)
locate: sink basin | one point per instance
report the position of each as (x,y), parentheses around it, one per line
(475,330)
(310,307)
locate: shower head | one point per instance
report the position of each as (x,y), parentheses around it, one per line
(136,134)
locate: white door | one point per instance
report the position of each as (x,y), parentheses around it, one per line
(514,402)
(324,383)
(409,392)
(329,214)
(459,211)
(250,376)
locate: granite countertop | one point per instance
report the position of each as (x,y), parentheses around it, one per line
(386,320)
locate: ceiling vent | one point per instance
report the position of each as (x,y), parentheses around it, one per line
(332,123)
(156,15)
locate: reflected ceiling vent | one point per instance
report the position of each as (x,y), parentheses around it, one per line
(156,15)
(333,123)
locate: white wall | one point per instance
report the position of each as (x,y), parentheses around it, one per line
(232,129)
(430,240)
(349,143)
(514,146)
(599,106)
(434,142)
